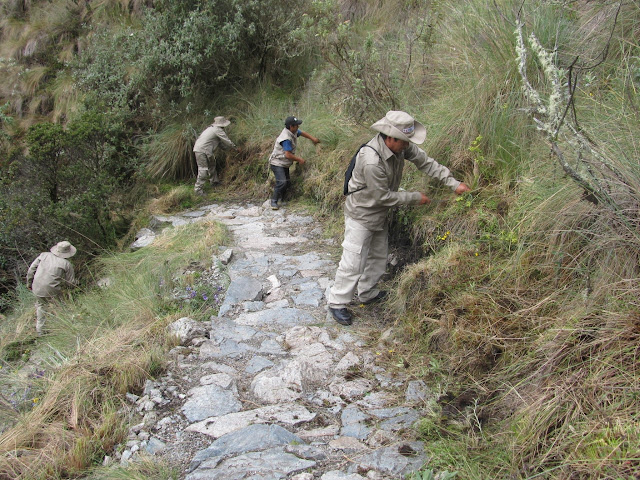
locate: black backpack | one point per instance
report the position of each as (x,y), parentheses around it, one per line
(349,172)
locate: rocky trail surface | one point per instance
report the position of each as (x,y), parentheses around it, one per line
(272,387)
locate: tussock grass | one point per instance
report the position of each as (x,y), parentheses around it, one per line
(476,39)
(580,413)
(117,11)
(101,344)
(169,153)
(66,97)
(33,79)
(176,198)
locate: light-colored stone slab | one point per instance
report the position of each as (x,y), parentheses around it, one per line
(287,414)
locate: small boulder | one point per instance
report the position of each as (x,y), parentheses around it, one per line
(187,329)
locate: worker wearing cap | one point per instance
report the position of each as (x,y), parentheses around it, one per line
(212,137)
(375,182)
(283,156)
(47,275)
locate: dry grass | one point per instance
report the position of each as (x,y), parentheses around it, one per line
(172,200)
(580,410)
(145,468)
(75,420)
(66,97)
(559,372)
(169,153)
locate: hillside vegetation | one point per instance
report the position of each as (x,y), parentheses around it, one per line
(519,301)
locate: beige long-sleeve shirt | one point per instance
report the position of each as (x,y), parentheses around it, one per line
(381,175)
(210,139)
(48,273)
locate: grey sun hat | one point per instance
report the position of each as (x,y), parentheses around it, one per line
(402,126)
(63,249)
(221,122)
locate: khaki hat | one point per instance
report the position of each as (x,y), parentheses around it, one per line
(63,250)
(402,126)
(221,122)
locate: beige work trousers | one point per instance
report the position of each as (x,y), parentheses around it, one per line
(363,262)
(206,169)
(41,313)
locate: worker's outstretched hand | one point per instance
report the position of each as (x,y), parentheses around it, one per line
(462,188)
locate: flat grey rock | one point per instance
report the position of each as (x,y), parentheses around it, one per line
(271,347)
(400,422)
(144,238)
(240,290)
(249,267)
(257,364)
(353,414)
(194,214)
(155,445)
(222,330)
(337,475)
(249,439)
(389,460)
(356,430)
(417,392)
(272,464)
(384,413)
(287,414)
(175,221)
(309,297)
(209,401)
(186,329)
(276,316)
(225,349)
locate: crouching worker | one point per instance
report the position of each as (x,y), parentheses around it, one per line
(47,275)
(372,192)
(208,141)
(283,156)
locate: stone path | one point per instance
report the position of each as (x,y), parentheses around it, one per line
(273,388)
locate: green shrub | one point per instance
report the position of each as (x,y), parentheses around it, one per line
(185,50)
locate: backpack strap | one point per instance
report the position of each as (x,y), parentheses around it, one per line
(352,165)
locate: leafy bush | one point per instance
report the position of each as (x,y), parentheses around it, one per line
(190,49)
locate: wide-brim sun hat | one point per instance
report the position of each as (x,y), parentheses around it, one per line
(402,126)
(63,249)
(221,121)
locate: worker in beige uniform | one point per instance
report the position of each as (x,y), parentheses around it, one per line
(47,275)
(212,137)
(372,192)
